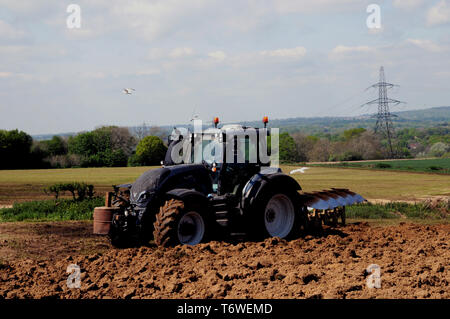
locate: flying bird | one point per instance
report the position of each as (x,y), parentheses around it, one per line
(128,91)
(194,116)
(299,170)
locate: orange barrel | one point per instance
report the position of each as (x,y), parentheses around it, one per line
(102,219)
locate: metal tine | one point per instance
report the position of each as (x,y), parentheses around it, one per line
(346,198)
(315,201)
(340,199)
(332,203)
(356,198)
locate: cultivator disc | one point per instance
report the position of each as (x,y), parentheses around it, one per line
(328,205)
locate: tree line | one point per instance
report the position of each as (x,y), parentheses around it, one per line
(113,146)
(361,144)
(108,146)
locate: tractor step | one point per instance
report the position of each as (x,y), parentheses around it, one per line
(222,214)
(223,222)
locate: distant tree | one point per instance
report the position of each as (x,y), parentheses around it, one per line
(150,151)
(303,145)
(288,150)
(439,149)
(121,139)
(321,152)
(15,147)
(84,144)
(354,132)
(57,146)
(366,146)
(105,146)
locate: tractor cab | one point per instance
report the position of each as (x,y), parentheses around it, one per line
(232,154)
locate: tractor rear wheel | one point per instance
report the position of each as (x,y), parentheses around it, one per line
(279,215)
(177,224)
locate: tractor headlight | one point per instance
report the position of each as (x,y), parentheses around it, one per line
(144,197)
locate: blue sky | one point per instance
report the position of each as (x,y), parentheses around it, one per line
(238,60)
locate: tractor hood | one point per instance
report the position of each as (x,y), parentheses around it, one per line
(153,180)
(147,182)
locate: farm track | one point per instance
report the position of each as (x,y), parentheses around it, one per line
(414,261)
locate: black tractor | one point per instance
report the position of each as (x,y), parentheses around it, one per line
(215,184)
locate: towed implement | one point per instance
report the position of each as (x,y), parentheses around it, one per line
(216,184)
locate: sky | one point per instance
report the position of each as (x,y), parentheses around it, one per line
(238,60)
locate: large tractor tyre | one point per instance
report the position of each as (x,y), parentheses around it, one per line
(179,224)
(278,215)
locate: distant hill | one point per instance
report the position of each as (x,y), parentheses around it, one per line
(417,118)
(311,125)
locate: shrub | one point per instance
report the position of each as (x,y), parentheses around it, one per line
(350,156)
(79,191)
(383,165)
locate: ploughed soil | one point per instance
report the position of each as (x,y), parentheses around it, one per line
(414,261)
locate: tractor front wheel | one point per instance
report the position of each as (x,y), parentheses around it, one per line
(177,224)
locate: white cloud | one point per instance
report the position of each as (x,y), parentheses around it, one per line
(308,6)
(5,74)
(341,50)
(180,52)
(218,55)
(93,75)
(375,31)
(7,31)
(156,53)
(439,14)
(13,49)
(426,45)
(24,6)
(22,76)
(408,4)
(151,20)
(297,52)
(148,72)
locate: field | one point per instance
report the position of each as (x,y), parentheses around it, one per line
(413,260)
(25,185)
(374,184)
(437,165)
(412,252)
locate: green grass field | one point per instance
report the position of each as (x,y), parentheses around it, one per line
(387,185)
(437,166)
(25,185)
(375,184)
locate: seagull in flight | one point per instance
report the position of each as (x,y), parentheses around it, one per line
(194,116)
(128,90)
(299,170)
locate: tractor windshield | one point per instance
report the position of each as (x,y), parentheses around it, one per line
(207,148)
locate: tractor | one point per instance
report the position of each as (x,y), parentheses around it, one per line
(217,183)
